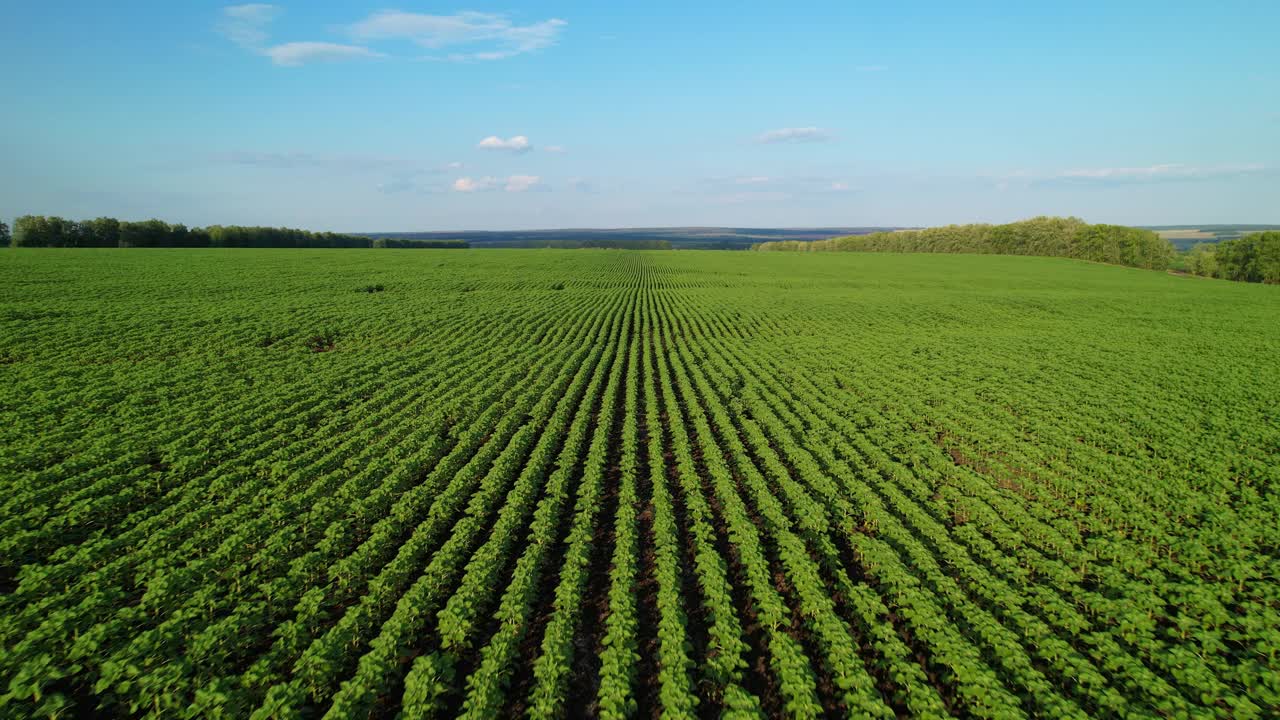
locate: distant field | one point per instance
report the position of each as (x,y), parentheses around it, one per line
(309,483)
(1186,235)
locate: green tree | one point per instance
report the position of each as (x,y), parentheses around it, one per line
(148,233)
(1047,236)
(35,231)
(105,232)
(5,239)
(1252,258)
(1203,260)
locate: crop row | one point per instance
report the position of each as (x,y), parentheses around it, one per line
(628,485)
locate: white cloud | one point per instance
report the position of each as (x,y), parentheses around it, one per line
(472,35)
(300,53)
(251,12)
(512,184)
(798,134)
(466,184)
(753,180)
(517,144)
(1156,173)
(558,149)
(839,186)
(246,25)
(480,36)
(454,166)
(521,183)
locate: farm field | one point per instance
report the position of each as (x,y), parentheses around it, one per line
(350,483)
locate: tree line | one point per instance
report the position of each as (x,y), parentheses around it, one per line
(608,244)
(1045,236)
(105,232)
(1252,258)
(419,244)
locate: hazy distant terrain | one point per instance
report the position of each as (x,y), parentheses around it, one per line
(1181,236)
(1184,237)
(679,237)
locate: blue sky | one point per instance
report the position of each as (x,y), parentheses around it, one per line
(437,116)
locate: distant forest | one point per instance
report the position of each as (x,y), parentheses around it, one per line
(1045,236)
(105,232)
(1252,258)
